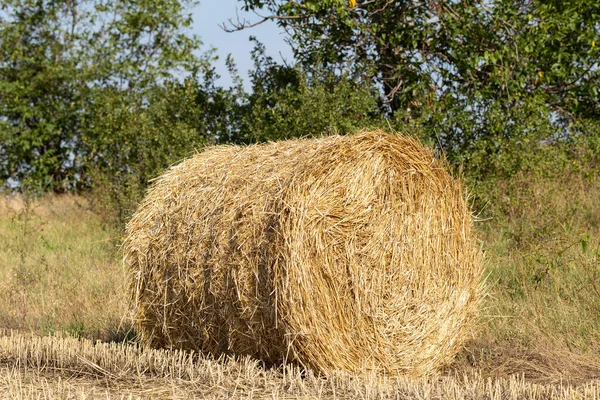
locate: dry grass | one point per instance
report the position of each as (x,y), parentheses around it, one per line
(350,253)
(67,368)
(58,268)
(542,242)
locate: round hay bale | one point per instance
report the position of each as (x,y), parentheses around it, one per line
(348,253)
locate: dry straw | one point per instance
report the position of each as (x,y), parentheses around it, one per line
(346,253)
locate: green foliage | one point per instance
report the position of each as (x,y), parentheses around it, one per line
(128,144)
(133,138)
(521,69)
(490,82)
(288,102)
(58,59)
(393,41)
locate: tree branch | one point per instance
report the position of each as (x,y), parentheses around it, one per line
(241,25)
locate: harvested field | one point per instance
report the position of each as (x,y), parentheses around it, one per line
(67,368)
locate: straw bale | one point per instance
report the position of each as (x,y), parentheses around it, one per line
(346,253)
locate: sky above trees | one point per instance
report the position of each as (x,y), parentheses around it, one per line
(208,15)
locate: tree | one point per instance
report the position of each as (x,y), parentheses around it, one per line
(287,101)
(426,45)
(55,55)
(482,77)
(391,41)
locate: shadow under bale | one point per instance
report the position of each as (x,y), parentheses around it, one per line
(349,253)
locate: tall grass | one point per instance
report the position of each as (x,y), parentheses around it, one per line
(541,237)
(59,268)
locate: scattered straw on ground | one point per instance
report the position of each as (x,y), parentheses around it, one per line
(67,368)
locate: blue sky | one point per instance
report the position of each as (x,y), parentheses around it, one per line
(209,14)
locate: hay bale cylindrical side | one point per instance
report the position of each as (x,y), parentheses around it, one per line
(347,253)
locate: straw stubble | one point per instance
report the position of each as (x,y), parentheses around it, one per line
(349,253)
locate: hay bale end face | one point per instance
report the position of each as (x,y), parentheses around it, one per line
(347,253)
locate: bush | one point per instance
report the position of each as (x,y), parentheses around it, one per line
(130,142)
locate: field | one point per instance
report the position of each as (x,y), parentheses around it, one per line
(65,330)
(65,368)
